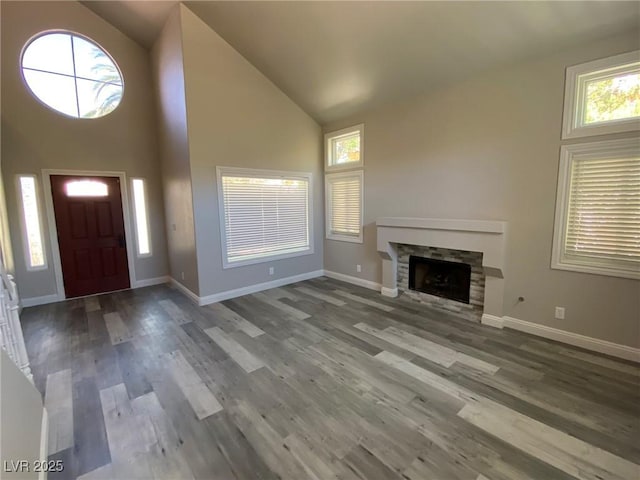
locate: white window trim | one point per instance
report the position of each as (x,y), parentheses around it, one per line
(576,78)
(329,213)
(23,224)
(259,173)
(328,150)
(621,147)
(135,217)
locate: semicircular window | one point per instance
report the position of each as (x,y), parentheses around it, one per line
(72,75)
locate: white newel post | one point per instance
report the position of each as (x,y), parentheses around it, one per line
(11,338)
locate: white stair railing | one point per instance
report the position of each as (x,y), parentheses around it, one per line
(11,338)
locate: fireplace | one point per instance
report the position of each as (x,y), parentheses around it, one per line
(442,278)
(479,243)
(448,291)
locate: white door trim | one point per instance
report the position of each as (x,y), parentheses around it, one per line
(53,228)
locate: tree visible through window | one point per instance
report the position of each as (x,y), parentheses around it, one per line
(602,96)
(72,75)
(347,149)
(343,148)
(613,98)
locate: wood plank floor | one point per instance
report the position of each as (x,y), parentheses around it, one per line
(321,380)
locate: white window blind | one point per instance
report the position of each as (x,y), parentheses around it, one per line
(603,218)
(344,206)
(264,215)
(598,208)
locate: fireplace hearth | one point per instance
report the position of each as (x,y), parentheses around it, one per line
(442,278)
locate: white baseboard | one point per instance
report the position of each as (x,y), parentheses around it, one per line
(44,443)
(389,292)
(149,282)
(192,296)
(259,287)
(239,292)
(35,301)
(575,339)
(354,280)
(492,320)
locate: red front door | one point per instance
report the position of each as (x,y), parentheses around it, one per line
(91,237)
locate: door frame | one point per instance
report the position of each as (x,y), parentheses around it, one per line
(53,227)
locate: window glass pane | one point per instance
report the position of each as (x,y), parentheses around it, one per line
(97,99)
(613,98)
(56,91)
(265,216)
(86,188)
(72,75)
(93,63)
(346,149)
(140,207)
(50,53)
(35,248)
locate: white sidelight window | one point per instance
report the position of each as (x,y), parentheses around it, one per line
(603,96)
(264,215)
(343,192)
(597,227)
(142,218)
(31,223)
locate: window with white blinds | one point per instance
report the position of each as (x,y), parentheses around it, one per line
(264,215)
(598,208)
(344,206)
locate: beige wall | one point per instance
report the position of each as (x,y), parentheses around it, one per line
(488,148)
(35,137)
(21,413)
(168,74)
(238,118)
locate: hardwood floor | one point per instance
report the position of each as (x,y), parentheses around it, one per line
(321,380)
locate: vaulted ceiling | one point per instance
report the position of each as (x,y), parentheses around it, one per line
(335,59)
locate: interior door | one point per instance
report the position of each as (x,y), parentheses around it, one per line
(90,225)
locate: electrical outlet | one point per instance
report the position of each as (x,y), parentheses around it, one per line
(271,270)
(358,268)
(560,313)
(182,275)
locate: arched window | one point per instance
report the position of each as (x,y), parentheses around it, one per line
(72,75)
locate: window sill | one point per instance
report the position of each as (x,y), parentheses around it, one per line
(270,258)
(340,167)
(345,238)
(586,131)
(596,269)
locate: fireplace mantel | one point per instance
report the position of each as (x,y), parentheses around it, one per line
(484,226)
(485,236)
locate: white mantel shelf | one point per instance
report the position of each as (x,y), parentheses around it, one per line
(485,226)
(485,236)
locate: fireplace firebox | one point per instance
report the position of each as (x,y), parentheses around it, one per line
(440,277)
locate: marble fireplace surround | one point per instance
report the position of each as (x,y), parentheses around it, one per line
(485,236)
